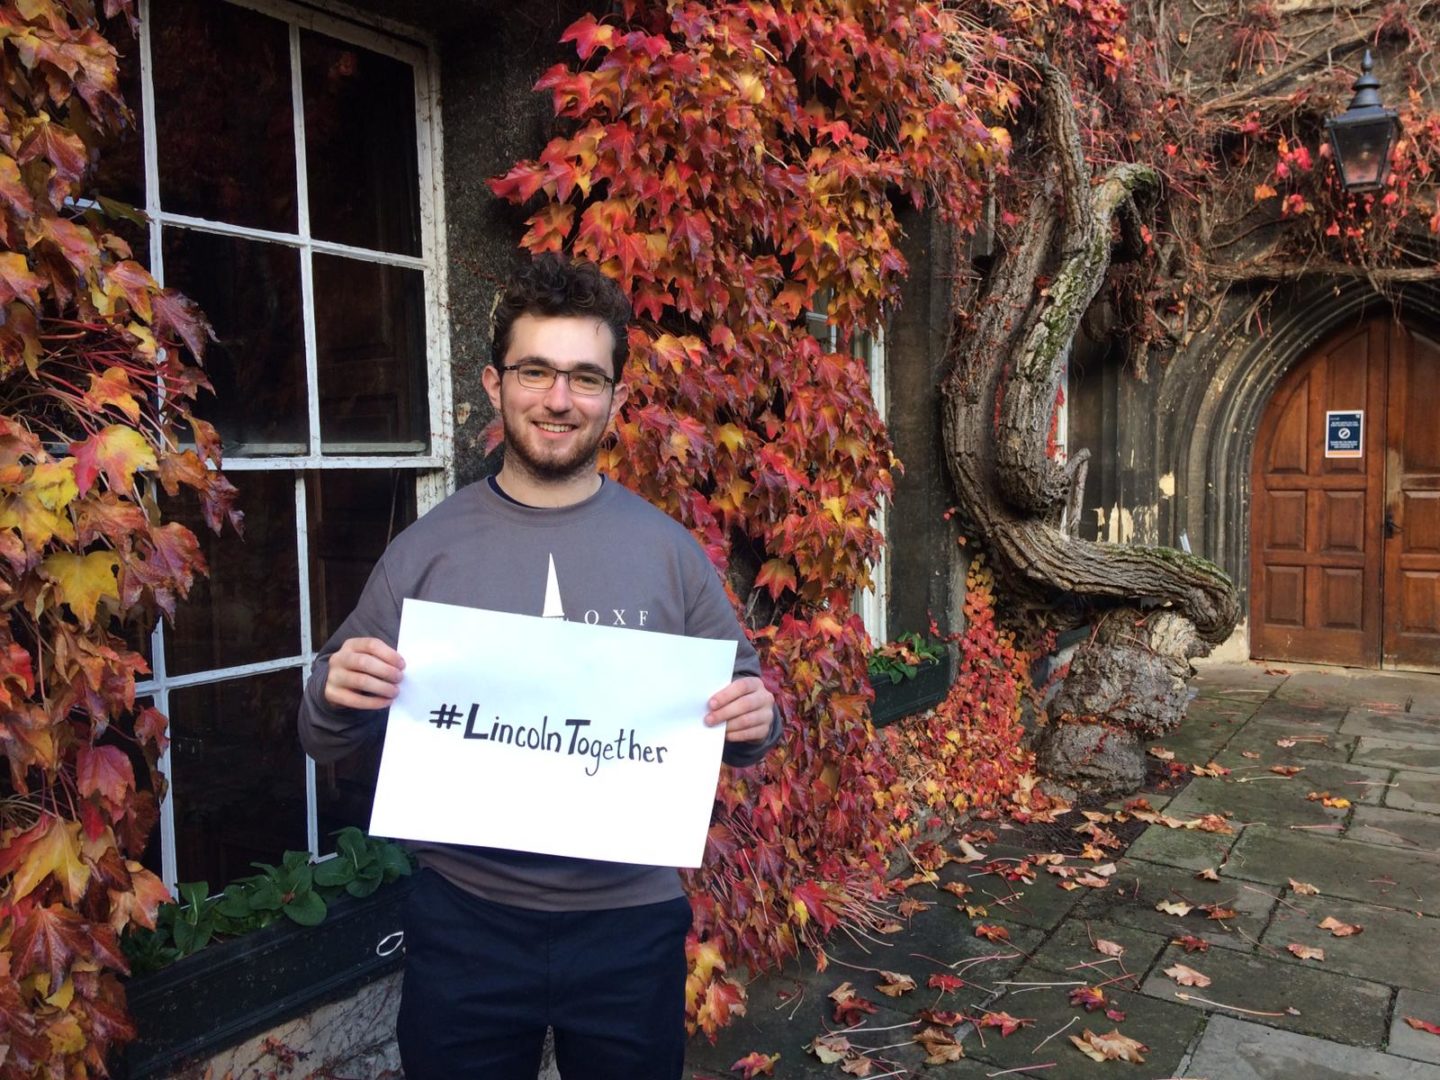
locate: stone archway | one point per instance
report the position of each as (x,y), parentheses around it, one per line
(1213,398)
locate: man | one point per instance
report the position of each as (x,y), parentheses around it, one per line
(501,944)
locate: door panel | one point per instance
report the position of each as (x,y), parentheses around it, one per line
(1412,549)
(1316,521)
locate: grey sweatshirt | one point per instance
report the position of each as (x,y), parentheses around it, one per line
(618,561)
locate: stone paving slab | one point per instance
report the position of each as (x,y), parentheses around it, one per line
(1040,905)
(1331,1006)
(1280,801)
(1415,791)
(1197,740)
(1234,680)
(1411,1042)
(1222,712)
(1188,849)
(935,939)
(1311,715)
(1391,947)
(1234,1049)
(1072,947)
(1392,725)
(1168,1029)
(1139,886)
(1396,754)
(1263,737)
(1369,873)
(1327,686)
(1397,828)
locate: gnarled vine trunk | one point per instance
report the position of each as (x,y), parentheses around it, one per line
(1155,608)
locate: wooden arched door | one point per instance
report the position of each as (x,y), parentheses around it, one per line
(1345,522)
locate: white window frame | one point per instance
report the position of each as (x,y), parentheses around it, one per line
(871,603)
(434,470)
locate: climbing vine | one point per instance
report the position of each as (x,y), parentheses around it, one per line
(94,392)
(733,165)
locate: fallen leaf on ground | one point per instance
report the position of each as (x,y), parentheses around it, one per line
(943,1017)
(830,1048)
(968,853)
(1211,823)
(940,1045)
(1049,859)
(1287,770)
(1209,874)
(974,911)
(945,983)
(1115,1015)
(858,1065)
(756,1064)
(1111,1047)
(1251,754)
(956,888)
(893,984)
(1191,943)
(849,1006)
(1006,1023)
(1174,907)
(1307,952)
(1088,998)
(910,907)
(925,877)
(1109,948)
(1218,911)
(1338,928)
(1285,744)
(1211,769)
(1423,1025)
(992,933)
(1161,753)
(1187,976)
(1091,881)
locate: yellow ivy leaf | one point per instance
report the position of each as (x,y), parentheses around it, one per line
(83,580)
(57,852)
(65,1035)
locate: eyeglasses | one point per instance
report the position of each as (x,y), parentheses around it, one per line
(583,381)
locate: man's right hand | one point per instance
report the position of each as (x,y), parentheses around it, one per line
(364,674)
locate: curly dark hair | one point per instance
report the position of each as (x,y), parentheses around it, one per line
(555,285)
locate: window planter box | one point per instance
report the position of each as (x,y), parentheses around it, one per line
(908,696)
(234,989)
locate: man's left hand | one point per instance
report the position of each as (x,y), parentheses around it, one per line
(746,709)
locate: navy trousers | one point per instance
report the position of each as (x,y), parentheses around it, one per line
(483,981)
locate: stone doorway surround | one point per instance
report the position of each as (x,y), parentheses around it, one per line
(1211,397)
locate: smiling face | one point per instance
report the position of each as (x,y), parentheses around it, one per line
(552,436)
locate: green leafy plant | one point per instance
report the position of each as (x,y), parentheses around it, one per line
(903,658)
(297,889)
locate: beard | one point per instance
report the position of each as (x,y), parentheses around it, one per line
(578,460)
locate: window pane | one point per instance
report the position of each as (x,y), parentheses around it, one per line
(144,835)
(239,775)
(352,516)
(250,291)
(224,118)
(360,151)
(370,332)
(248,609)
(120,172)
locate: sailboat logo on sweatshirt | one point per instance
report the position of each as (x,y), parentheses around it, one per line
(555,609)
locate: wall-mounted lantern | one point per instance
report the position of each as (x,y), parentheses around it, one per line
(1363,134)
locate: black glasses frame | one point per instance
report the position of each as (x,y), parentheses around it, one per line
(556,373)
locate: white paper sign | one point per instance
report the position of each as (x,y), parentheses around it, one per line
(543,735)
